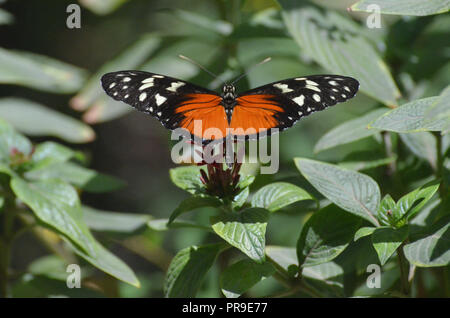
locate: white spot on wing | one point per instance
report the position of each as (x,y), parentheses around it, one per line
(334,83)
(347,89)
(314,88)
(284,87)
(316,97)
(158,76)
(300,79)
(308,82)
(300,100)
(126,79)
(142,97)
(174,86)
(148,80)
(147,85)
(160,99)
(112,85)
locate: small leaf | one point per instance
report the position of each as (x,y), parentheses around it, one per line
(102,7)
(433,249)
(49,152)
(39,72)
(364,231)
(244,230)
(409,117)
(99,220)
(51,266)
(11,139)
(188,268)
(37,120)
(55,203)
(405,205)
(86,179)
(325,235)
(277,195)
(192,203)
(403,7)
(366,165)
(352,130)
(386,241)
(331,274)
(352,191)
(440,109)
(187,178)
(243,275)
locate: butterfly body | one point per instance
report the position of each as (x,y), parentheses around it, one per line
(271,107)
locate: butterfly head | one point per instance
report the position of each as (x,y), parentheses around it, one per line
(228,93)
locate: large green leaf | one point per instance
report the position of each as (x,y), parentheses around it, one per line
(325,235)
(352,130)
(404,7)
(37,120)
(409,117)
(55,203)
(337,44)
(243,275)
(39,72)
(86,179)
(352,191)
(440,110)
(386,240)
(433,249)
(194,202)
(277,195)
(244,230)
(99,220)
(188,268)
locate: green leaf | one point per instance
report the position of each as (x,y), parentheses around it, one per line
(187,178)
(364,231)
(433,249)
(285,257)
(243,275)
(49,152)
(277,195)
(386,240)
(331,274)
(352,191)
(405,206)
(188,268)
(99,220)
(204,22)
(55,203)
(422,144)
(386,210)
(404,7)
(11,139)
(39,72)
(86,179)
(349,131)
(51,266)
(102,7)
(192,203)
(37,120)
(107,262)
(365,165)
(409,117)
(338,45)
(244,230)
(129,59)
(325,235)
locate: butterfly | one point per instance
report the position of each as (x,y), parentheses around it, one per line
(254,113)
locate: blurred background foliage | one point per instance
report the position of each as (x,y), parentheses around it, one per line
(50,90)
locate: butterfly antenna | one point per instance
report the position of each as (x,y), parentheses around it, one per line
(199,65)
(267,59)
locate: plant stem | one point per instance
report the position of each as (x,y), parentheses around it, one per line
(404,272)
(440,165)
(5,243)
